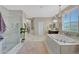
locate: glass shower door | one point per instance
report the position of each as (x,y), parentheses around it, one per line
(12,34)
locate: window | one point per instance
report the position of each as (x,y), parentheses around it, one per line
(70,20)
(66,22)
(74,19)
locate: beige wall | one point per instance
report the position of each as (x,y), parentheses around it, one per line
(46,22)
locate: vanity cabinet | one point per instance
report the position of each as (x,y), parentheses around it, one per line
(52,32)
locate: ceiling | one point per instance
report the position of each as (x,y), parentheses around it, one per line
(37,10)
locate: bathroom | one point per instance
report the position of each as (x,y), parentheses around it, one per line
(46,26)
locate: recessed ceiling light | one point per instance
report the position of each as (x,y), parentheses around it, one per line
(41,6)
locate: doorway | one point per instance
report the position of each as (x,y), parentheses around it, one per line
(40,28)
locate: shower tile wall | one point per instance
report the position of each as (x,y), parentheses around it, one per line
(13,21)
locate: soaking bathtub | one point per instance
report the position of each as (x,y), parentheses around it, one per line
(61,44)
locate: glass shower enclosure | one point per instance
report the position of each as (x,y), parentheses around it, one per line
(12,34)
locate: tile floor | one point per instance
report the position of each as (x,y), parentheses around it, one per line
(33,45)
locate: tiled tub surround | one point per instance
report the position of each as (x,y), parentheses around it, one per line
(61,44)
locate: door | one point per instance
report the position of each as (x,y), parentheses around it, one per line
(40,28)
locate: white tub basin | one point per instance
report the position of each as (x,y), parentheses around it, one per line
(62,38)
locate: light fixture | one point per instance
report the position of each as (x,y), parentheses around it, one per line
(59,15)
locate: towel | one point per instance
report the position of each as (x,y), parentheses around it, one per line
(2,24)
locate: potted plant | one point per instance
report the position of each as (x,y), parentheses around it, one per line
(22,32)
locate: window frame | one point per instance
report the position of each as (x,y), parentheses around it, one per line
(71,21)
